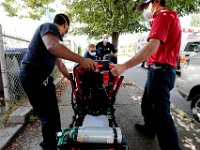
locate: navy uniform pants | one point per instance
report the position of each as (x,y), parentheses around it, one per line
(44,102)
(156,106)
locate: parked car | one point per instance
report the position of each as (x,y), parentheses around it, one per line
(188,83)
(190,49)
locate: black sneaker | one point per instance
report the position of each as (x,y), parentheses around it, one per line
(46,146)
(145,130)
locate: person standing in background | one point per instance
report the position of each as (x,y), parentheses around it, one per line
(105,47)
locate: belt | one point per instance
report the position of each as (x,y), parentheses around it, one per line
(160,66)
(34,69)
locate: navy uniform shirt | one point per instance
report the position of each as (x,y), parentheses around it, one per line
(88,55)
(102,50)
(38,56)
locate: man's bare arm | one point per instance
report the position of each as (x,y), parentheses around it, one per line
(59,50)
(143,54)
(62,68)
(54,46)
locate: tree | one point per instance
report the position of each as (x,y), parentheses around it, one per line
(117,17)
(33,9)
(114,17)
(105,16)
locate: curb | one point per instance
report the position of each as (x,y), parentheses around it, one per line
(10,136)
(9,133)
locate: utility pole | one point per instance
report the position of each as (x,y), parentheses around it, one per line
(4,70)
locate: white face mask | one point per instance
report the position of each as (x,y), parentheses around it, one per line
(147,12)
(105,40)
(92,53)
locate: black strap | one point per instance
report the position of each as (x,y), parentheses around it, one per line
(76,133)
(115,135)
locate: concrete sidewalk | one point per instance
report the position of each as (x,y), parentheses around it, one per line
(127,114)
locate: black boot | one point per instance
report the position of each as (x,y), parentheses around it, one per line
(46,146)
(147,131)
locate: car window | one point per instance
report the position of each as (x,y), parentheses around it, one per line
(192,47)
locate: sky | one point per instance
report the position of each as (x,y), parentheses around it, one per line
(24,28)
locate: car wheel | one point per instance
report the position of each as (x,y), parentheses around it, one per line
(195,107)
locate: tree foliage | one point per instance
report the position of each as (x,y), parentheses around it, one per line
(105,16)
(184,7)
(117,16)
(33,9)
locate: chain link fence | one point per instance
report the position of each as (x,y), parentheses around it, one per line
(13,50)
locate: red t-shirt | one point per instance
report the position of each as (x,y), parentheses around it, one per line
(166,28)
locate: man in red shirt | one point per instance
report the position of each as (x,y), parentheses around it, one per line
(162,52)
